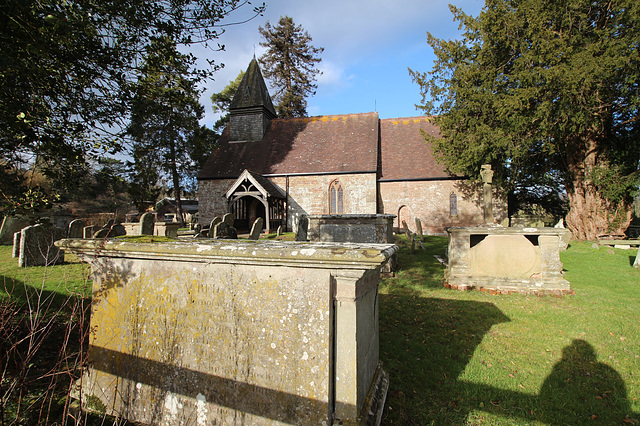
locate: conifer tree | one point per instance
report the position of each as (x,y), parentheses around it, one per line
(221,102)
(545,91)
(290,65)
(165,112)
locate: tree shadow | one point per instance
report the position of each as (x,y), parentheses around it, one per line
(426,343)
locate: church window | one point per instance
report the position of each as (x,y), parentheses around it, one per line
(336,198)
(453,204)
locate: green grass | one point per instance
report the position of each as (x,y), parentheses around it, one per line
(474,358)
(70,278)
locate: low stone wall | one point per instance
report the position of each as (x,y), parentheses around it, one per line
(235,332)
(524,260)
(356,228)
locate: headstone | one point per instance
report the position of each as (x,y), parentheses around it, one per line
(221,230)
(413,243)
(487,178)
(11,225)
(407,232)
(37,248)
(256,229)
(88,231)
(279,231)
(229,219)
(419,230)
(76,229)
(115,230)
(303,228)
(595,246)
(147,222)
(636,263)
(216,220)
(16,244)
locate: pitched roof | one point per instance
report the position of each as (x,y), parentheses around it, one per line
(404,152)
(261,183)
(252,91)
(326,144)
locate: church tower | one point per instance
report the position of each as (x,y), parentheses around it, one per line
(251,109)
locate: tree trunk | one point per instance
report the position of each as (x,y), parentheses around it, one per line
(591,215)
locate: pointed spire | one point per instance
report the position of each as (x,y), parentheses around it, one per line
(251,109)
(252,91)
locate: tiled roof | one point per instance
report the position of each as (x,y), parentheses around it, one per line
(252,91)
(326,144)
(404,152)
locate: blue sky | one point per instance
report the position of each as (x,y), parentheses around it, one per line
(368,46)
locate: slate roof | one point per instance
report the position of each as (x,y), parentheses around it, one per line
(252,91)
(326,144)
(404,152)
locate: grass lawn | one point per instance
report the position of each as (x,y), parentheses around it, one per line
(476,358)
(460,357)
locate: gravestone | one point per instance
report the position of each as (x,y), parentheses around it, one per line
(241,332)
(229,219)
(279,231)
(256,229)
(419,229)
(216,220)
(76,229)
(11,225)
(37,248)
(303,229)
(15,252)
(221,230)
(487,178)
(88,231)
(636,263)
(407,232)
(110,230)
(147,222)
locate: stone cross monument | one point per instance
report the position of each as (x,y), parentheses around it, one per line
(487,178)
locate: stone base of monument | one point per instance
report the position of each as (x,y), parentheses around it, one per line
(235,331)
(353,228)
(507,260)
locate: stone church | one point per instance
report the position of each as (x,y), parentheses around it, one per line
(281,169)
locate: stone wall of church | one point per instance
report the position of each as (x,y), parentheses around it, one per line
(431,201)
(211,201)
(310,194)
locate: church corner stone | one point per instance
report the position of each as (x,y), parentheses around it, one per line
(268,332)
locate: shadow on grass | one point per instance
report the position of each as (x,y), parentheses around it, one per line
(426,343)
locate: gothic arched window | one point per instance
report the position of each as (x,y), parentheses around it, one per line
(336,198)
(453,204)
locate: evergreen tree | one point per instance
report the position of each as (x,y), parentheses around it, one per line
(221,102)
(65,74)
(290,65)
(545,91)
(165,112)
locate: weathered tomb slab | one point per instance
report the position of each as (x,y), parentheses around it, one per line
(147,223)
(354,228)
(37,246)
(76,229)
(524,260)
(256,229)
(11,225)
(235,332)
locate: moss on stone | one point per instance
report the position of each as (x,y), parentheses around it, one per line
(147,239)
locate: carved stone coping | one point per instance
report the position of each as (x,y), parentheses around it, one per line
(276,253)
